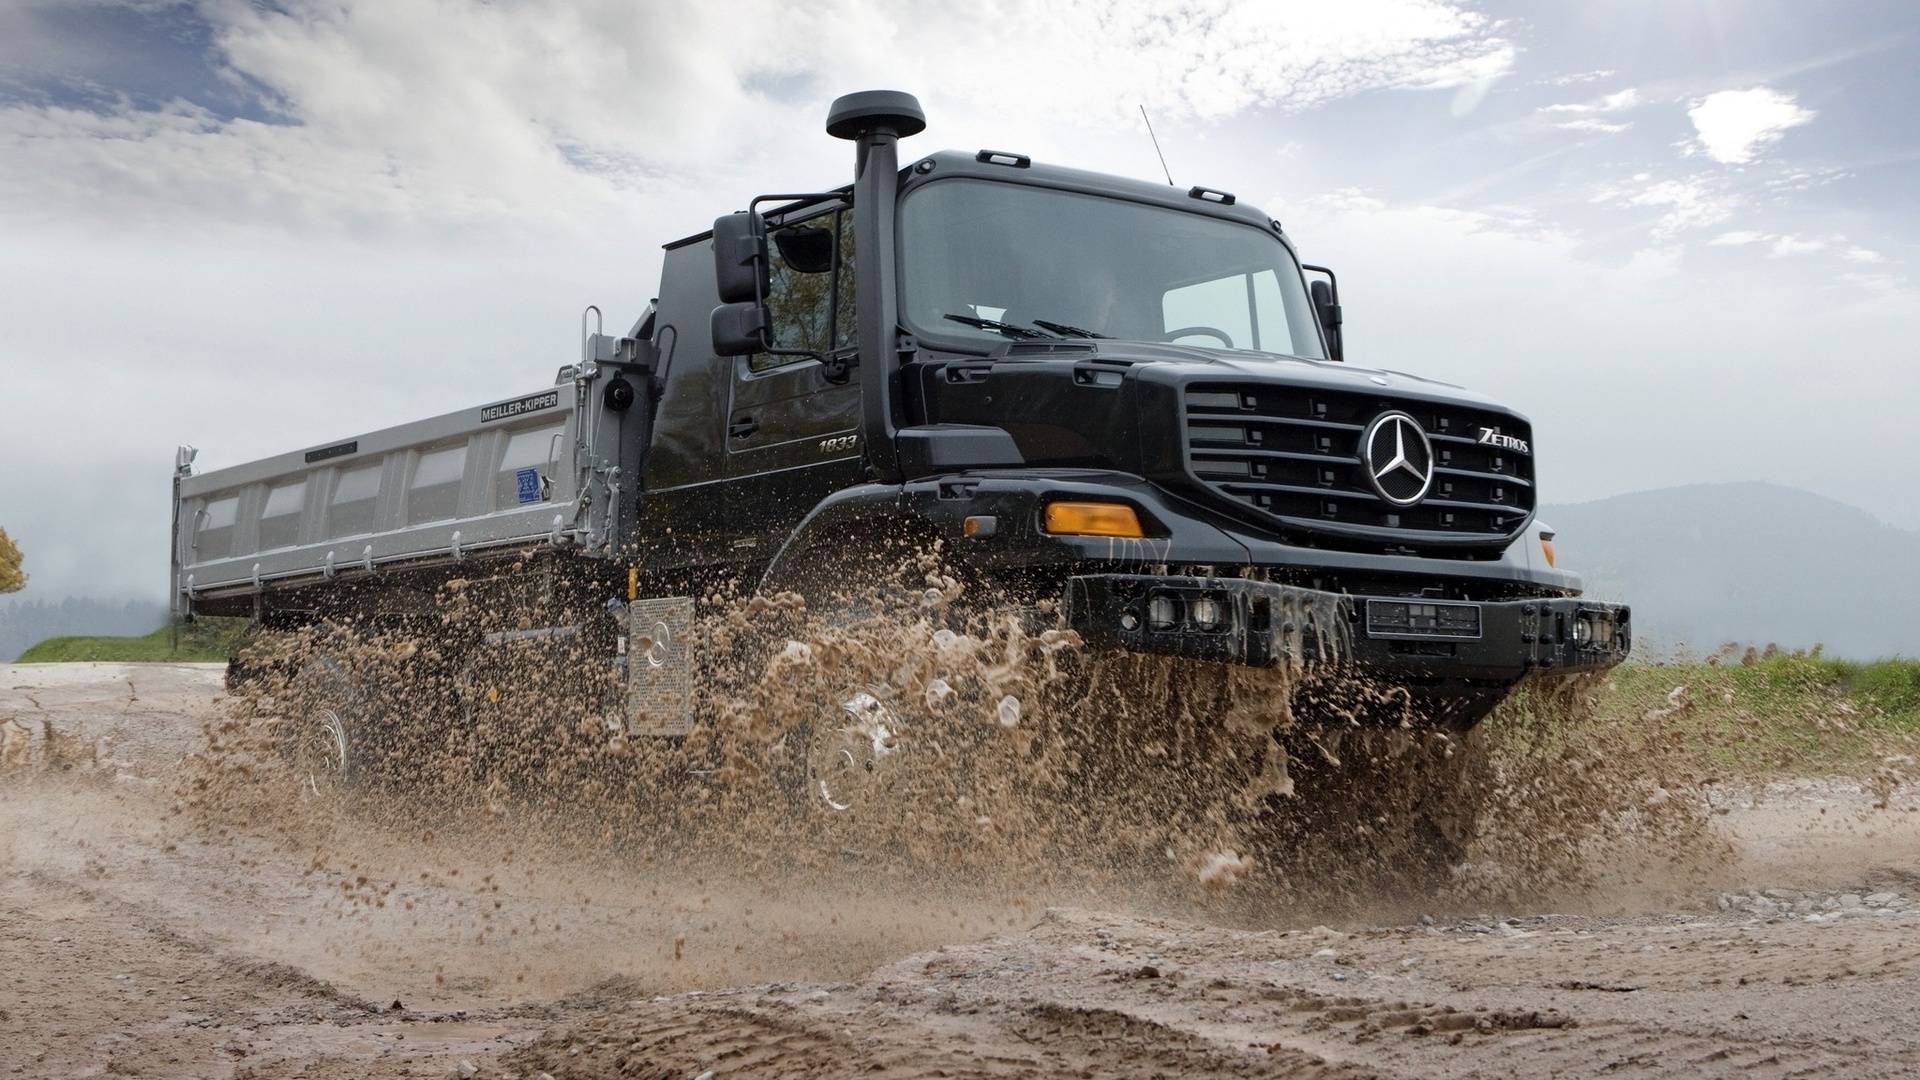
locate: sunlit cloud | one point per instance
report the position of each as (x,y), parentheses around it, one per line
(1734,126)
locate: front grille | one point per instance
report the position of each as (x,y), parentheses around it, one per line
(1292,457)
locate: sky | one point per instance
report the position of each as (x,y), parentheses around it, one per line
(1678,234)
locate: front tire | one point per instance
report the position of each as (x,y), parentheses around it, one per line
(327,728)
(847,756)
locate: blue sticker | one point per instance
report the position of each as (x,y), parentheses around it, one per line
(529,481)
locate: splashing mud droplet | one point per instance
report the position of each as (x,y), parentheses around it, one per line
(1008,711)
(938,692)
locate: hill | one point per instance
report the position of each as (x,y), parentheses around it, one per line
(1748,562)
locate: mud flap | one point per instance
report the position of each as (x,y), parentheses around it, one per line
(660,666)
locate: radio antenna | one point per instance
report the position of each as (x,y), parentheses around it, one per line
(1156,146)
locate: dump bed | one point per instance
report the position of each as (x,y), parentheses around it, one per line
(534,470)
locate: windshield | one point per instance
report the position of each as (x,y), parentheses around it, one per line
(993,261)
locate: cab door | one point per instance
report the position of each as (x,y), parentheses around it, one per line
(793,420)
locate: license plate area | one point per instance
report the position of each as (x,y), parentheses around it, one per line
(1423,620)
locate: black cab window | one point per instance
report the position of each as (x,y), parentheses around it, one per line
(810,288)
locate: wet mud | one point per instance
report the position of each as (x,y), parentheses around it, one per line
(1103,867)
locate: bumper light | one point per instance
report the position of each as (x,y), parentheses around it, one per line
(1163,613)
(1093,519)
(1206,614)
(1187,612)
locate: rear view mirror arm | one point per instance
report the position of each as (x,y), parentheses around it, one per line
(1326,309)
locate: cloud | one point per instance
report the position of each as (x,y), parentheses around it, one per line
(1587,114)
(1690,204)
(1782,246)
(1600,127)
(1735,125)
(1624,99)
(446,115)
(1794,245)
(1881,294)
(1579,77)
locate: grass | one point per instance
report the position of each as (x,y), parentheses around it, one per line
(200,641)
(1799,712)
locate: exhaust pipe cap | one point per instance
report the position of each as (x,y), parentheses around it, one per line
(876,112)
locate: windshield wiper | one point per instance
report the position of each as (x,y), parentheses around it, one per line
(1068,330)
(1012,330)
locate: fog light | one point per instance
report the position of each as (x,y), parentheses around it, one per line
(1163,613)
(1129,621)
(1206,613)
(1582,631)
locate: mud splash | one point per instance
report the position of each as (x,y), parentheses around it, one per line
(908,741)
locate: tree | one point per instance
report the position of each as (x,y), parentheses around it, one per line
(12,578)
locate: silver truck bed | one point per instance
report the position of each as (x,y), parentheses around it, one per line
(504,476)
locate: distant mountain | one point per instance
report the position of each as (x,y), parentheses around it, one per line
(1750,562)
(26,623)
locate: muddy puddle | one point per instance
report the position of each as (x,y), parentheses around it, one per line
(1053,854)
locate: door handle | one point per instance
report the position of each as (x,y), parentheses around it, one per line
(743,428)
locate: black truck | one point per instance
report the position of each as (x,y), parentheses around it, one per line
(1121,401)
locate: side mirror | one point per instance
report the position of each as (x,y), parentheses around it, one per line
(739,329)
(740,257)
(1326,305)
(739,324)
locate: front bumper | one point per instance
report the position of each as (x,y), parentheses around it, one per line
(1258,623)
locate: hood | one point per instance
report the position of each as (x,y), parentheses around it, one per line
(1237,364)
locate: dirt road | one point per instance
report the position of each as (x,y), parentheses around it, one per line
(141,939)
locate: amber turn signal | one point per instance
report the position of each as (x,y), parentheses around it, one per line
(1546,546)
(1093,519)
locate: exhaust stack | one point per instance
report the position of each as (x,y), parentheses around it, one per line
(875,121)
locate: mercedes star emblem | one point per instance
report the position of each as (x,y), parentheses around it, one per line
(1398,458)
